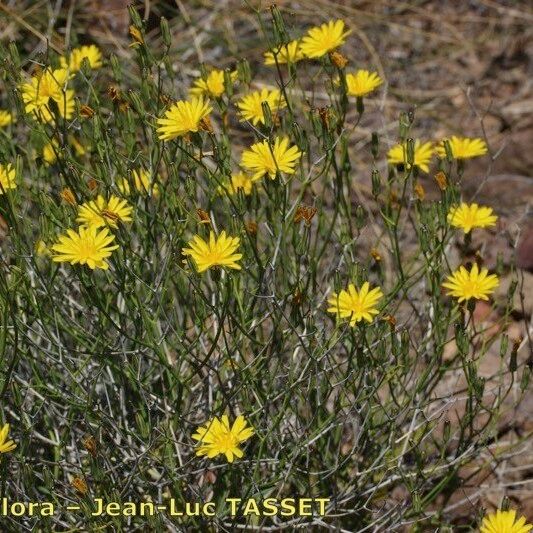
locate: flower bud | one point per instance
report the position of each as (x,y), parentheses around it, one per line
(165,32)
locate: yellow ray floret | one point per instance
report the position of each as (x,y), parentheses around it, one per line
(5,118)
(183,117)
(285,53)
(88,246)
(50,151)
(504,522)
(238,181)
(470,216)
(213,84)
(356,304)
(263,158)
(100,212)
(217,252)
(142,183)
(7,178)
(362,82)
(475,284)
(217,437)
(397,155)
(463,147)
(250,105)
(45,88)
(6,445)
(323,39)
(74,61)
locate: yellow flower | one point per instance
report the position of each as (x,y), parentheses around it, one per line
(43,86)
(398,155)
(362,82)
(212,86)
(88,246)
(74,60)
(218,437)
(142,181)
(5,118)
(263,158)
(476,284)
(356,304)
(183,117)
(7,178)
(41,89)
(6,445)
(469,216)
(285,53)
(323,39)
(101,213)
(50,152)
(34,94)
(78,147)
(41,248)
(238,180)
(219,251)
(65,106)
(250,105)
(504,522)
(463,147)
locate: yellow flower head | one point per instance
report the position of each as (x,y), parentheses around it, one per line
(51,149)
(78,147)
(504,522)
(212,86)
(218,251)
(101,213)
(218,437)
(142,182)
(5,444)
(43,86)
(5,118)
(356,304)
(398,155)
(463,147)
(469,216)
(286,53)
(88,246)
(250,107)
(50,152)
(7,178)
(75,59)
(65,106)
(239,180)
(476,284)
(41,248)
(263,158)
(183,117)
(362,82)
(323,39)
(34,94)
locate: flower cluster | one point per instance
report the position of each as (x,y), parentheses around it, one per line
(460,148)
(272,160)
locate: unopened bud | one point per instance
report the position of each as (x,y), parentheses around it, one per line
(165,31)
